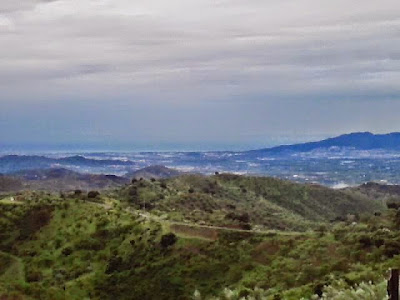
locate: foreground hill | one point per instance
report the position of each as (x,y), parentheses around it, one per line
(73,248)
(358,141)
(233,200)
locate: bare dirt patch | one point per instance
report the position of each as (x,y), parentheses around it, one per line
(195,232)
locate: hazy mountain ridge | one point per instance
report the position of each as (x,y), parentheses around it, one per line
(356,140)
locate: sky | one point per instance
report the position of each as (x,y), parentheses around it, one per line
(200,74)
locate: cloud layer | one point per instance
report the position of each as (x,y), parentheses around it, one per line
(191,52)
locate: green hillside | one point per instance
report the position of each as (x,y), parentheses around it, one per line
(79,246)
(234,200)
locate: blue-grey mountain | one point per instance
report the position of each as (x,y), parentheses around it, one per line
(358,141)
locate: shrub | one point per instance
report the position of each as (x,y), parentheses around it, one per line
(93,194)
(393,205)
(168,240)
(34,276)
(363,291)
(114,264)
(365,241)
(67,251)
(244,217)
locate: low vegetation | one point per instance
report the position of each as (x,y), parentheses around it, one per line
(200,238)
(242,202)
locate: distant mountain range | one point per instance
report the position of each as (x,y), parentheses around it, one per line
(248,162)
(357,140)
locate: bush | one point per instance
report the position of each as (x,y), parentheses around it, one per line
(67,251)
(168,240)
(114,264)
(244,217)
(365,241)
(363,291)
(393,205)
(93,194)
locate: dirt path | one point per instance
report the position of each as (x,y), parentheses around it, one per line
(219,228)
(173,225)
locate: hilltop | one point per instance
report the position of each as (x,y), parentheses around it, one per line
(155,171)
(382,192)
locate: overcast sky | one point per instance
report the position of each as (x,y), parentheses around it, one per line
(196,72)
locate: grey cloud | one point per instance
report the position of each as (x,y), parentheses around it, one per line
(196,51)
(10,6)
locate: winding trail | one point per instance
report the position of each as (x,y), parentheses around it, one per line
(221,228)
(171,224)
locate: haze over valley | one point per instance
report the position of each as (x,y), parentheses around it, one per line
(347,160)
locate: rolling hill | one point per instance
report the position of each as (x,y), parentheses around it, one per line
(58,179)
(233,200)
